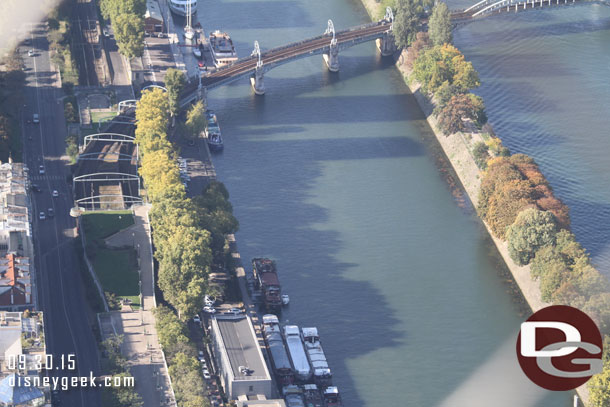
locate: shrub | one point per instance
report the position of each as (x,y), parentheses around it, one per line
(479,151)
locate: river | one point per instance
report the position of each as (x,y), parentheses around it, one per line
(544,78)
(339,178)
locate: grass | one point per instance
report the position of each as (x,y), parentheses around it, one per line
(117,269)
(98,117)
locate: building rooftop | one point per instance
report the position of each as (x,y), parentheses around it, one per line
(241,346)
(153,10)
(13,393)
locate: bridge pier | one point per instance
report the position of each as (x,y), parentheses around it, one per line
(386,44)
(332,58)
(258,81)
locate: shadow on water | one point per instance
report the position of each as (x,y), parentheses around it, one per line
(288,14)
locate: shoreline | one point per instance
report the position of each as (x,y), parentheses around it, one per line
(458,154)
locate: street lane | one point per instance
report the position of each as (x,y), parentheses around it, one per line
(59,282)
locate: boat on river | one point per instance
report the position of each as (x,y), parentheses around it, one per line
(300,364)
(183,7)
(317,359)
(212,132)
(222,49)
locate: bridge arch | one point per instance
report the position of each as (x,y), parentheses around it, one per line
(108,137)
(154,86)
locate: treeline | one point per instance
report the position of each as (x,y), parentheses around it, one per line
(189,234)
(127,18)
(11,101)
(515,199)
(59,43)
(181,354)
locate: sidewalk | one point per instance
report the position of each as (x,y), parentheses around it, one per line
(141,344)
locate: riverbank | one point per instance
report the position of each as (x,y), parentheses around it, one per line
(458,151)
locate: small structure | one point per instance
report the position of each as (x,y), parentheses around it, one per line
(15,285)
(153,19)
(13,392)
(241,366)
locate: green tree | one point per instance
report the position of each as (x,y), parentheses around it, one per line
(480,154)
(129,33)
(111,9)
(174,82)
(439,25)
(406,22)
(599,388)
(532,230)
(195,119)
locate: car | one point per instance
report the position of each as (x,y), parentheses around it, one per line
(51,212)
(196,319)
(235,311)
(27,41)
(209,300)
(41,216)
(106,33)
(201,358)
(209,310)
(202,66)
(55,193)
(206,374)
(35,118)
(31,53)
(41,170)
(35,188)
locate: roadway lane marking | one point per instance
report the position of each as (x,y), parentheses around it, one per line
(61,283)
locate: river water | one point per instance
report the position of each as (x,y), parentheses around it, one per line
(339,178)
(544,78)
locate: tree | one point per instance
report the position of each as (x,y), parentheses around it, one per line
(174,82)
(599,388)
(195,119)
(451,118)
(422,41)
(532,230)
(129,33)
(439,25)
(111,9)
(406,22)
(478,109)
(465,77)
(506,203)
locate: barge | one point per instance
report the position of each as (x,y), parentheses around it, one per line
(279,357)
(267,281)
(300,364)
(315,354)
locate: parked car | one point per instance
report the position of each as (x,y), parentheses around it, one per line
(31,53)
(209,310)
(235,311)
(206,374)
(196,319)
(209,300)
(201,357)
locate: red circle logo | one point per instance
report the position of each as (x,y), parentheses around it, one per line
(559,348)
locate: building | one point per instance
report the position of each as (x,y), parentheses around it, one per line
(16,274)
(15,284)
(153,19)
(240,362)
(261,403)
(14,393)
(21,334)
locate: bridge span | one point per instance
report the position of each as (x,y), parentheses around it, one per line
(329,44)
(486,8)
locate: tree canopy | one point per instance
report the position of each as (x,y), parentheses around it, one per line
(174,82)
(196,120)
(444,63)
(439,25)
(532,230)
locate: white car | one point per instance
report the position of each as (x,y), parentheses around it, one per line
(235,311)
(31,53)
(206,374)
(209,310)
(196,319)
(42,216)
(41,170)
(201,358)
(55,193)
(35,118)
(209,301)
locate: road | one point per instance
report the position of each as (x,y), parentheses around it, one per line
(59,283)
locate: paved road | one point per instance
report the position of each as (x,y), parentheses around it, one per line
(59,283)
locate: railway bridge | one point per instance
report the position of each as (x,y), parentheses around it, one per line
(486,8)
(328,44)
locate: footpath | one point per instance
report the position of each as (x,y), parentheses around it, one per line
(458,153)
(141,345)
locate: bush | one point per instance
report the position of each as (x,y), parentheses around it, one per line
(532,230)
(479,151)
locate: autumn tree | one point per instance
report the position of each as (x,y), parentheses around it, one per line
(599,388)
(439,25)
(506,203)
(452,118)
(422,41)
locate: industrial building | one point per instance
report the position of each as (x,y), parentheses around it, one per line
(153,19)
(240,362)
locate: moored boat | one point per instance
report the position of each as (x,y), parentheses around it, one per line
(312,395)
(300,364)
(212,132)
(317,359)
(279,357)
(182,7)
(222,49)
(332,398)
